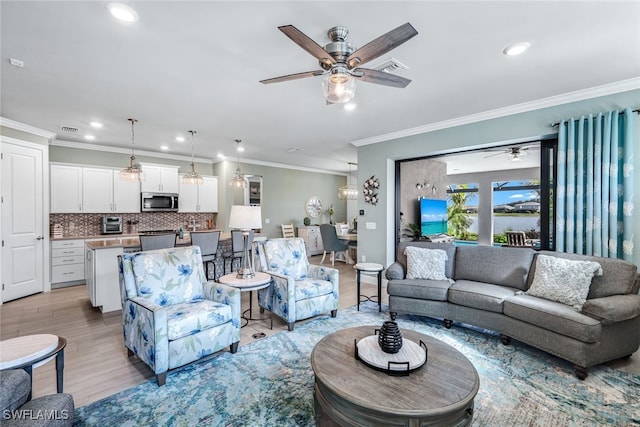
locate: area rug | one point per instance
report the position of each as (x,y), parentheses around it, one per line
(269,382)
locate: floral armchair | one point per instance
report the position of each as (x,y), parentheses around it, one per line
(299,290)
(171,314)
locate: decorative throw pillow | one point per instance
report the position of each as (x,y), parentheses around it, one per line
(425,263)
(563,280)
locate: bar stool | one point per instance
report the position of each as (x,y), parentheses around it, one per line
(149,242)
(208,243)
(237,247)
(369,268)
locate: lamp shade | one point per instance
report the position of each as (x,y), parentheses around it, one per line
(245,217)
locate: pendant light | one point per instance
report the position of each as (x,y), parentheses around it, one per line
(348,192)
(192,178)
(238,180)
(133,172)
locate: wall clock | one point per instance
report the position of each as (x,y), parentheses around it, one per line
(313,207)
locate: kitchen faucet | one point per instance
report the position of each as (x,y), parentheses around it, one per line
(193,224)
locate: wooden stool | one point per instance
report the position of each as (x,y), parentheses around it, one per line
(369,268)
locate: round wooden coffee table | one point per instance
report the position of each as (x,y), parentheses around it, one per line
(349,393)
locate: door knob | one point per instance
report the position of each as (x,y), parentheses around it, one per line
(39,238)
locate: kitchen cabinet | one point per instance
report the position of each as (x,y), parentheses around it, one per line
(101,270)
(103,191)
(199,198)
(160,179)
(67,260)
(312,239)
(66,189)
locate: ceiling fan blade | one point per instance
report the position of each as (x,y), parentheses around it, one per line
(381,78)
(302,40)
(497,154)
(295,76)
(381,45)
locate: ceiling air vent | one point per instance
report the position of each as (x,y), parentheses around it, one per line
(391,65)
(68,129)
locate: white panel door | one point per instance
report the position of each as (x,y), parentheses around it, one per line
(22,221)
(97,190)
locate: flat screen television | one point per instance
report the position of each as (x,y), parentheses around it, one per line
(433,216)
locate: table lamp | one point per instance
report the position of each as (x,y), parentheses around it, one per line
(245,218)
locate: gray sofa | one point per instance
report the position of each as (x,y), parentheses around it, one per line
(488,288)
(17,408)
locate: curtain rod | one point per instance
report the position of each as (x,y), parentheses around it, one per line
(637,110)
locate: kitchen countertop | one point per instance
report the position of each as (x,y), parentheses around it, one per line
(132,241)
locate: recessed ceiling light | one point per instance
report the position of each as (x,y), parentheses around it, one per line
(164,147)
(96,125)
(122,12)
(220,155)
(241,149)
(180,138)
(350,106)
(89,137)
(516,48)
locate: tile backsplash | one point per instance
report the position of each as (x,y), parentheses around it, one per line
(90,224)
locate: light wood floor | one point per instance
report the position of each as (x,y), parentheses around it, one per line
(96,362)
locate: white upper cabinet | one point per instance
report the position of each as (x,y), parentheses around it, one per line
(76,189)
(66,189)
(160,179)
(199,198)
(97,190)
(126,195)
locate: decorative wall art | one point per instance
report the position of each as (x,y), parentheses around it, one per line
(370,190)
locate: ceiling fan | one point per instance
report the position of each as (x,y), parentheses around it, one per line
(341,61)
(514,152)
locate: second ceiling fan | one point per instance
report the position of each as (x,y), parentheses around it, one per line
(341,61)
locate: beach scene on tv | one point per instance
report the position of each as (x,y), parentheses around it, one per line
(433,216)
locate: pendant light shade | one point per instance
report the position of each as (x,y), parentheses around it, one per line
(339,86)
(192,178)
(348,192)
(133,172)
(238,180)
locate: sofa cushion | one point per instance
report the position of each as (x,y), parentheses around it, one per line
(435,290)
(495,265)
(15,385)
(480,295)
(618,276)
(554,316)
(287,257)
(188,318)
(425,263)
(613,309)
(310,287)
(394,271)
(563,280)
(449,248)
(169,276)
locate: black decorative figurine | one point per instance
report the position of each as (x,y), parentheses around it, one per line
(389,337)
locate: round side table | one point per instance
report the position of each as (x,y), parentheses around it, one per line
(259,281)
(369,268)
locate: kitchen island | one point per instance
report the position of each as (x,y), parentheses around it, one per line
(101,266)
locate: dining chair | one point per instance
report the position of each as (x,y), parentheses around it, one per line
(331,243)
(208,243)
(237,247)
(287,231)
(516,238)
(149,242)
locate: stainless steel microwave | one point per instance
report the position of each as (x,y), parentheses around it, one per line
(159,202)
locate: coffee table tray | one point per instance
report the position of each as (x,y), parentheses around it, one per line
(410,357)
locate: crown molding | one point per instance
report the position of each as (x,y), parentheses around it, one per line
(12,124)
(285,166)
(97,147)
(552,101)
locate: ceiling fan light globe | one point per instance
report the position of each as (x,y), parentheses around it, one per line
(339,89)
